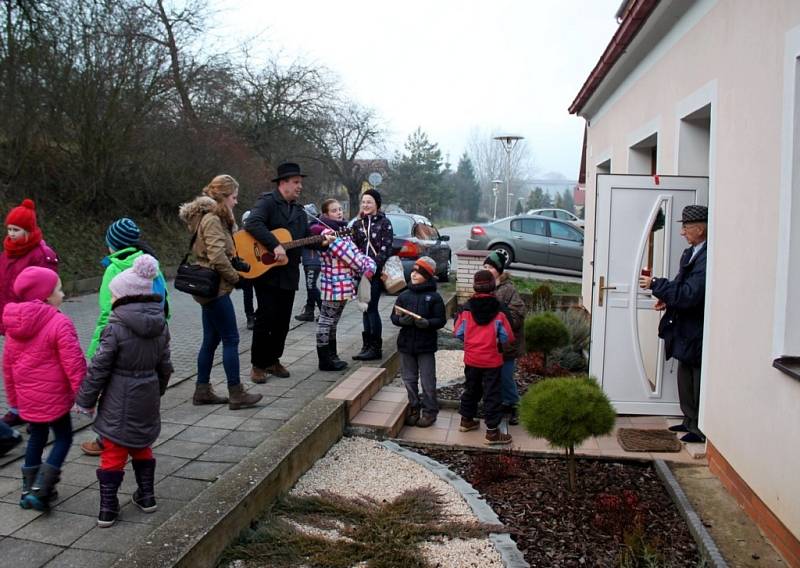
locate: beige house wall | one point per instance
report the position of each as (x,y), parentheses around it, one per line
(732,56)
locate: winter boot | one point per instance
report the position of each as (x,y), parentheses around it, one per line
(326,363)
(494,437)
(240,398)
(335,353)
(367,339)
(375,350)
(307,314)
(43,491)
(204,394)
(513,414)
(110,480)
(145,496)
(412,417)
(426,420)
(28,479)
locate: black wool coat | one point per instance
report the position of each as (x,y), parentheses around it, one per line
(423,300)
(270,212)
(374,236)
(681,326)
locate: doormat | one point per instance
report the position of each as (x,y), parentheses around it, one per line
(639,440)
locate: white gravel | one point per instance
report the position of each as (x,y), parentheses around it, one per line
(449,367)
(361,467)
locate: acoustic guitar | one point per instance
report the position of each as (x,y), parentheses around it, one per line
(261,259)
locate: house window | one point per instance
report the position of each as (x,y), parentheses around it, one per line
(787,297)
(643,156)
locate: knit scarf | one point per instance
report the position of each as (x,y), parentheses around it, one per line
(17,249)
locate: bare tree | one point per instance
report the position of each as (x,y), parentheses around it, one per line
(489,160)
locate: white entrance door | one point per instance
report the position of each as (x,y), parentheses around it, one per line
(636,230)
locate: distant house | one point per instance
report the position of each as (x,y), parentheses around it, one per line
(712,89)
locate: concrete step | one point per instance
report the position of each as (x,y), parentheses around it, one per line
(358,388)
(385,413)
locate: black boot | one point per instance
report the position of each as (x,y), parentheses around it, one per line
(110,480)
(325,361)
(28,479)
(43,490)
(335,353)
(513,414)
(367,339)
(145,496)
(307,314)
(375,350)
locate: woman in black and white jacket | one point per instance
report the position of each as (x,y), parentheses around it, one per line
(373,235)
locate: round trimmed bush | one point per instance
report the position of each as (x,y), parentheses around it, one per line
(545,332)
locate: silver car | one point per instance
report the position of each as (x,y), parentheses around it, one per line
(560,214)
(532,239)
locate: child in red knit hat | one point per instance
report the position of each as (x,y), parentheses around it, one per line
(23,246)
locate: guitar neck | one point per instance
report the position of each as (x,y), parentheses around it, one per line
(302,242)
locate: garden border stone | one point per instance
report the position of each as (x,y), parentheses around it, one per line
(705,542)
(505,545)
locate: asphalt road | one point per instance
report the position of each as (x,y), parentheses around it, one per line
(458,241)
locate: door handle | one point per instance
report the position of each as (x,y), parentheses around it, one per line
(554,243)
(517,237)
(602,290)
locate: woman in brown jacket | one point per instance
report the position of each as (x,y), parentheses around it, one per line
(211,216)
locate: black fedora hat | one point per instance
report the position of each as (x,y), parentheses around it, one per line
(694,214)
(288,170)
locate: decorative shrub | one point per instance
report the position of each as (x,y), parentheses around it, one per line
(542,299)
(531,365)
(545,332)
(489,468)
(569,360)
(566,411)
(578,325)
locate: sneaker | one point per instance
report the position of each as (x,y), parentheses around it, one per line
(468,424)
(678,428)
(494,437)
(258,376)
(13,419)
(278,370)
(692,438)
(426,420)
(92,448)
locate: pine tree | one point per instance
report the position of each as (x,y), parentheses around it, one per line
(416,179)
(467,192)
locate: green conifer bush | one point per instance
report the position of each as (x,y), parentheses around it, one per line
(566,411)
(545,332)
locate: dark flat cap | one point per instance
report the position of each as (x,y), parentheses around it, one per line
(694,214)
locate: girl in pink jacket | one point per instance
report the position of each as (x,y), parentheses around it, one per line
(23,246)
(43,366)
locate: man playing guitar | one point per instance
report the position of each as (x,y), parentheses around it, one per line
(276,288)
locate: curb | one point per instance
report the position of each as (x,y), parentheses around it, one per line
(707,546)
(505,545)
(196,536)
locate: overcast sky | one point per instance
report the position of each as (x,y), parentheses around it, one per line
(446,66)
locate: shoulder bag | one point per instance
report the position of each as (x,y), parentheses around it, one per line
(195,279)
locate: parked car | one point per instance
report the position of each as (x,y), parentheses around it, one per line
(532,239)
(416,236)
(560,214)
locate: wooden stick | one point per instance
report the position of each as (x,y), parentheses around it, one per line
(407,312)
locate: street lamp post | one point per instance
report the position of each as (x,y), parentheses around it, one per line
(508,141)
(496,183)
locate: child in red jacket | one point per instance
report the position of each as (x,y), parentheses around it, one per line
(483,328)
(43,366)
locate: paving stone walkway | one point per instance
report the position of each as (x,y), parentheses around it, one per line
(198,444)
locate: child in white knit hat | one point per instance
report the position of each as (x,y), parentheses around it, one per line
(128,374)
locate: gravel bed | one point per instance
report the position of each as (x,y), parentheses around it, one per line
(556,528)
(361,467)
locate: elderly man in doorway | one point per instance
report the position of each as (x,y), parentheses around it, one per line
(681,327)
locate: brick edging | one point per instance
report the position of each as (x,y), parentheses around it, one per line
(786,543)
(503,543)
(703,538)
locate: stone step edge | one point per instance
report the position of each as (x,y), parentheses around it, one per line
(358,388)
(389,429)
(197,535)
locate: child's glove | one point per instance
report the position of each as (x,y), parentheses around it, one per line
(422,323)
(80,410)
(406,320)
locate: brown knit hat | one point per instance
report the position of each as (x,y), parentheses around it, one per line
(426,266)
(483,282)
